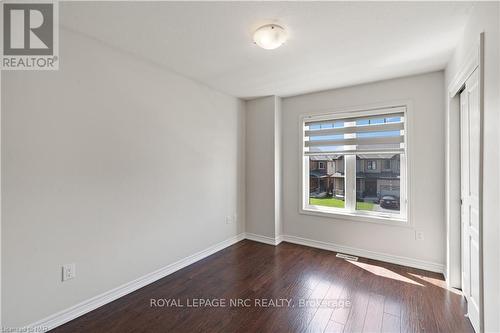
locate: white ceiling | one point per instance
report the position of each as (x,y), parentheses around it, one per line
(331,44)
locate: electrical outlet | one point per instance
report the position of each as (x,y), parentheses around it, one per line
(228,220)
(68,272)
(419,235)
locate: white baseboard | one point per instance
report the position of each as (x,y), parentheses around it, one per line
(263,239)
(404,261)
(82,308)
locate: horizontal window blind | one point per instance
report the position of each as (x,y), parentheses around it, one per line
(374,133)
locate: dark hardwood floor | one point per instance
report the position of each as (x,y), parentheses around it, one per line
(378,297)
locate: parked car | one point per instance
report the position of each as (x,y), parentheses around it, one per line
(389,202)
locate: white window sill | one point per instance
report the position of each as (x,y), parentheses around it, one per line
(338,214)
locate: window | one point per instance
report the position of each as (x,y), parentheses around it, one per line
(355,164)
(378,191)
(386,164)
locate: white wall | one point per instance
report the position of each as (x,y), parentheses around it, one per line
(426,181)
(263,166)
(114,164)
(278,167)
(1,295)
(485,18)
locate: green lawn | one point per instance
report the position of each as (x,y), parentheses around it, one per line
(327,202)
(364,205)
(337,203)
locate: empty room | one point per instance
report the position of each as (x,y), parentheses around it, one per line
(241,166)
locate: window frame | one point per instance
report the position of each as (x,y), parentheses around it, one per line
(349,212)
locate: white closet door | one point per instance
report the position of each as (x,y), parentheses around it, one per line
(470,123)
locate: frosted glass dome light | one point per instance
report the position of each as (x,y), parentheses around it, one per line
(270,36)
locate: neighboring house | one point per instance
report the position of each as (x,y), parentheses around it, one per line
(375,176)
(326,176)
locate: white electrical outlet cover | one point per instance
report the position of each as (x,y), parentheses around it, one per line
(68,271)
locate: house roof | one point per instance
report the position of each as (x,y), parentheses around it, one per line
(377,156)
(318,173)
(324,157)
(334,157)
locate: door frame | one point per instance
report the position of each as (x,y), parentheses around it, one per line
(373,187)
(453,272)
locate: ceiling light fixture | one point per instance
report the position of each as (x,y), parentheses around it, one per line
(270,36)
